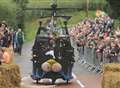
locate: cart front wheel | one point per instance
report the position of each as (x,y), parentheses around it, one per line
(53,81)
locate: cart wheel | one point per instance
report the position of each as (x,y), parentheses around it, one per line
(37,81)
(67,81)
(53,81)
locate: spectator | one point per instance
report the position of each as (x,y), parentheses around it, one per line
(114,52)
(20,40)
(14,41)
(4,30)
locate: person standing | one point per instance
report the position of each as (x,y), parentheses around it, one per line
(114,53)
(4,31)
(20,40)
(14,41)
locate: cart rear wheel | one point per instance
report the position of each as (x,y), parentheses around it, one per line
(37,81)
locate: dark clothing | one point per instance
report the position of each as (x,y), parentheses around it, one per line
(20,40)
(114,54)
(9,40)
(4,42)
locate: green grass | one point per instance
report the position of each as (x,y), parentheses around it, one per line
(79,16)
(30,30)
(117,23)
(61,3)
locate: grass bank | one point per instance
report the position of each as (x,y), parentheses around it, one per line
(32,26)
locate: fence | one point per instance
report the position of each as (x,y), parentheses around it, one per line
(89,58)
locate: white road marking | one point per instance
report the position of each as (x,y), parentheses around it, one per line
(25,78)
(78,81)
(80,84)
(74,76)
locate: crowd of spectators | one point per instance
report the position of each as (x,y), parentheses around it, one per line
(9,40)
(98,34)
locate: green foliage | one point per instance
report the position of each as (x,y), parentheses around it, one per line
(8,11)
(30,30)
(79,16)
(117,23)
(115,6)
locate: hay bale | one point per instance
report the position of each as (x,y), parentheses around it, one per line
(111,80)
(9,76)
(111,76)
(114,67)
(4,83)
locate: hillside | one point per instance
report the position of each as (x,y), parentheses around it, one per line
(62,3)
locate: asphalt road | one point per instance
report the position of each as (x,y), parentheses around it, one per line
(82,77)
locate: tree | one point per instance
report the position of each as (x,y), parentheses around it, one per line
(115,6)
(20,15)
